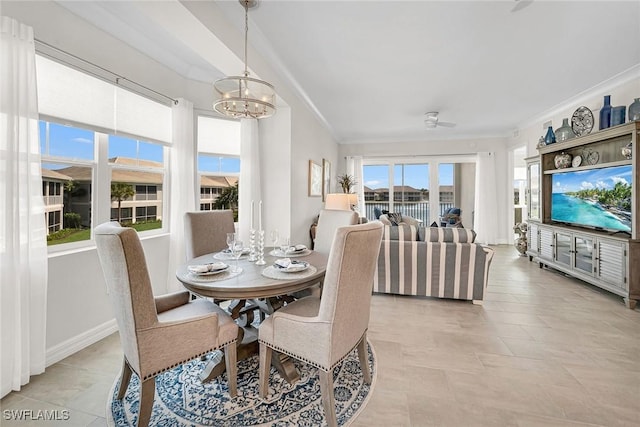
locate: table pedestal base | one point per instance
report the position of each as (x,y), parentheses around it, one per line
(247,346)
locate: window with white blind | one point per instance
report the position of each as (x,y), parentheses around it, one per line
(218,163)
(94,134)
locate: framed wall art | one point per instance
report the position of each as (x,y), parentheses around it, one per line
(326,179)
(315,179)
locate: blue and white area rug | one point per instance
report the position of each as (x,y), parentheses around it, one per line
(182,400)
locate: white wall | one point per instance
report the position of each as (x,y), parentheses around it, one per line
(623,88)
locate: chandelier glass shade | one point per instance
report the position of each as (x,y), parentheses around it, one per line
(244,96)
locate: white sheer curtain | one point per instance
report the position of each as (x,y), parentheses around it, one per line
(486,200)
(23,243)
(182,184)
(354,168)
(250,187)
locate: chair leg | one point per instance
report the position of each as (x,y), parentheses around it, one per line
(147,392)
(125,377)
(231,362)
(326,389)
(364,362)
(265,368)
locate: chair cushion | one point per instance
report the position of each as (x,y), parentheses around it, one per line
(304,307)
(448,234)
(200,307)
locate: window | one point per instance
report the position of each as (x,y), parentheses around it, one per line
(146,213)
(411,190)
(406,186)
(137,176)
(83,120)
(67,178)
(218,163)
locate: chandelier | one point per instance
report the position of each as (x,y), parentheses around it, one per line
(244,96)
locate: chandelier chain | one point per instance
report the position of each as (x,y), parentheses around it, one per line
(246,35)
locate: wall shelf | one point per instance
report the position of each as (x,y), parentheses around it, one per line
(589,167)
(608,260)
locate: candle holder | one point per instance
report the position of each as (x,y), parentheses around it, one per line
(261,260)
(252,245)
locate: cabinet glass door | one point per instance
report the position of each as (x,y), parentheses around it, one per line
(584,254)
(563,248)
(533,170)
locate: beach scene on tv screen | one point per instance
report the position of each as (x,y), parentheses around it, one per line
(598,198)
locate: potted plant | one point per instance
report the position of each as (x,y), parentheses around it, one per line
(347,182)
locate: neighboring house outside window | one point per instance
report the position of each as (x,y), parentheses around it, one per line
(211,187)
(53,193)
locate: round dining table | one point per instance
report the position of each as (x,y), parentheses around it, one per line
(248,291)
(251,283)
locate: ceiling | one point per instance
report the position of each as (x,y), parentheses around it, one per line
(371,69)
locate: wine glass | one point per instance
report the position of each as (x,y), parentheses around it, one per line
(274,238)
(231,237)
(284,246)
(236,250)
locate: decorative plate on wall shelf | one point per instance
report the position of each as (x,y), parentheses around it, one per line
(590,157)
(577,161)
(582,121)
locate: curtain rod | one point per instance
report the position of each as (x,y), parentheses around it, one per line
(116,77)
(415,156)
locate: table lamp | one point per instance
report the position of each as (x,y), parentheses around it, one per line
(341,201)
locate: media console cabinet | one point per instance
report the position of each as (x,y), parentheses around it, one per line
(605,258)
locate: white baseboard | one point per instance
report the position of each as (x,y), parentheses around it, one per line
(77,343)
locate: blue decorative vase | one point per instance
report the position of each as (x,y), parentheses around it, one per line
(605,113)
(634,110)
(617,115)
(550,137)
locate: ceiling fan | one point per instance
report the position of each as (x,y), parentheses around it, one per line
(431,121)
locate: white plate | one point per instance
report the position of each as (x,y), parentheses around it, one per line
(279,253)
(209,273)
(577,161)
(244,251)
(294,267)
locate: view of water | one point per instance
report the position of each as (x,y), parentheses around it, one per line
(565,208)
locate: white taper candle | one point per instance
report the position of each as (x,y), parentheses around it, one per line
(252,227)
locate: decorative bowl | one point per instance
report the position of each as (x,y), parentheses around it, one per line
(627,151)
(562,160)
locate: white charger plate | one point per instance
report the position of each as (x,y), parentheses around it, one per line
(293,267)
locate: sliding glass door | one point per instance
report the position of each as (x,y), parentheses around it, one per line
(411,190)
(421,188)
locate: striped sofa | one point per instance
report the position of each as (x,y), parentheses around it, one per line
(432,261)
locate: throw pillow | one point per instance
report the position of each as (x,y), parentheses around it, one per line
(395,218)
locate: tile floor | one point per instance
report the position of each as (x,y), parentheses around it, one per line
(543,350)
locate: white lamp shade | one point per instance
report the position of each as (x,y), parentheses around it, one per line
(340,201)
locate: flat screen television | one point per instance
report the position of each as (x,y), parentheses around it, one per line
(595,198)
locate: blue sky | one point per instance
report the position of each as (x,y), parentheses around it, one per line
(415,175)
(78,144)
(589,179)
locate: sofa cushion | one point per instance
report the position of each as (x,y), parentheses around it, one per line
(449,234)
(404,232)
